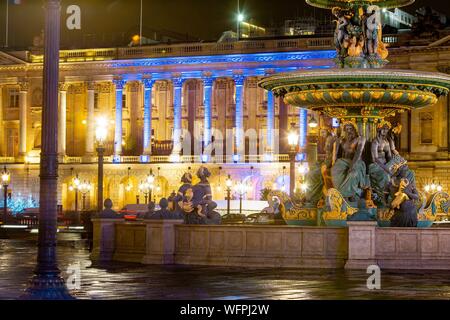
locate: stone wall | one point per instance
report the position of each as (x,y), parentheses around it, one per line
(261,246)
(360,245)
(398,248)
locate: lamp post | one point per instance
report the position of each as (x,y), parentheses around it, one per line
(293,143)
(150,182)
(76,182)
(144,188)
(85,188)
(6,177)
(240,19)
(101,132)
(241,189)
(129,185)
(229,184)
(47,282)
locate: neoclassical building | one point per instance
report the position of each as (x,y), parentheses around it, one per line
(150,95)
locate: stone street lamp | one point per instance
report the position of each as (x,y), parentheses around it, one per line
(229,184)
(85,188)
(151,183)
(144,187)
(76,182)
(101,133)
(129,185)
(293,144)
(47,282)
(6,178)
(241,188)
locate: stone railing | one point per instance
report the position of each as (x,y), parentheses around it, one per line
(360,245)
(7,160)
(73,160)
(255,246)
(170,242)
(193,49)
(183,159)
(398,248)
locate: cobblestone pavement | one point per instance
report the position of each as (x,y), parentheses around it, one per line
(134,281)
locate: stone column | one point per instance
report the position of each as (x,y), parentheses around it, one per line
(207,100)
(23,114)
(62,121)
(120,84)
(90,134)
(147,134)
(47,282)
(239,81)
(270,122)
(361,244)
(177,114)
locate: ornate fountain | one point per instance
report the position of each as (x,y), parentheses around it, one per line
(362,173)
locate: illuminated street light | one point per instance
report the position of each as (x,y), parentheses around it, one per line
(240,18)
(129,185)
(433,188)
(304,187)
(241,189)
(313,122)
(145,188)
(85,188)
(293,137)
(229,184)
(101,133)
(303,169)
(151,177)
(76,182)
(151,183)
(6,179)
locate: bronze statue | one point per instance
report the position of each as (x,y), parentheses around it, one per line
(349,171)
(382,151)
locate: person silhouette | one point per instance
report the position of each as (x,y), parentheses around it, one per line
(108,212)
(151,210)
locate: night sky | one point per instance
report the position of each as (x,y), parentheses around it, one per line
(204,19)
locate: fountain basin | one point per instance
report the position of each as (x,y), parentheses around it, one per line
(359,92)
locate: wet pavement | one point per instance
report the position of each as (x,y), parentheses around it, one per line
(135,281)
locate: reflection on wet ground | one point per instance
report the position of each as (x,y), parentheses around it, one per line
(134,281)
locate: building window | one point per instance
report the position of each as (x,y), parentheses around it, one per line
(124,101)
(13,98)
(426,127)
(96,100)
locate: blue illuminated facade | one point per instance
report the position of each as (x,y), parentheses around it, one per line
(238,67)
